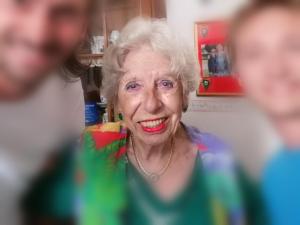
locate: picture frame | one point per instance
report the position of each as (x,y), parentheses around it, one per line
(214,60)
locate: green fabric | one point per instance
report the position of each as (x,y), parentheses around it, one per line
(102,168)
(254,204)
(52,194)
(191,206)
(101,180)
(102,187)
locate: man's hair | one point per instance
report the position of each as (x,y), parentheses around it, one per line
(73,68)
(251,10)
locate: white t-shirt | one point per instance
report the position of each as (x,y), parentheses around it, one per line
(29,131)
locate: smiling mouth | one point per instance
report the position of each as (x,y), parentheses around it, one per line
(154,125)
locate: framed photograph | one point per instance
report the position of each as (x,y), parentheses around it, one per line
(217,78)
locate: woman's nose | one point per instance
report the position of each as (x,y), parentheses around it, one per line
(152,101)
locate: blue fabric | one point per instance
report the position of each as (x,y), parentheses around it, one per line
(281,186)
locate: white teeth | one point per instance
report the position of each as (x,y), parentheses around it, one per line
(152,124)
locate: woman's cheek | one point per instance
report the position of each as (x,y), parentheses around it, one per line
(173,102)
(130,103)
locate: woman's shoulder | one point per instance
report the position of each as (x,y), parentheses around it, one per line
(207,141)
(220,171)
(215,153)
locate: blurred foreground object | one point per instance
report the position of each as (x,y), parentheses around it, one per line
(33,130)
(266,55)
(41,106)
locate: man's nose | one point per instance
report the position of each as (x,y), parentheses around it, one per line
(152,101)
(38,25)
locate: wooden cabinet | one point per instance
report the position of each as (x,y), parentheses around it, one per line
(113,15)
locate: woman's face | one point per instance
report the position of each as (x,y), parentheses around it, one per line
(149,97)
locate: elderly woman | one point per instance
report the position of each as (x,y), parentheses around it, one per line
(149,168)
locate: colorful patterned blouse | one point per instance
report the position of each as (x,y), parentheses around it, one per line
(102,177)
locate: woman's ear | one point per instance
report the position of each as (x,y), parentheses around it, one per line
(117,107)
(119,112)
(185,103)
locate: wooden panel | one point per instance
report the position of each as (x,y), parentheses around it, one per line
(119,12)
(159,9)
(146,8)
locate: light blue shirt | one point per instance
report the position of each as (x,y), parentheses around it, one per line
(281,186)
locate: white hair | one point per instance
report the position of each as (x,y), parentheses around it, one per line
(158,35)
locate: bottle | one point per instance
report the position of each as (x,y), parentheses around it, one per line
(92,98)
(105,117)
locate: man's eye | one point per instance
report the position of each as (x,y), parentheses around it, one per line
(166,84)
(132,86)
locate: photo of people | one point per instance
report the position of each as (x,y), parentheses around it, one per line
(215,60)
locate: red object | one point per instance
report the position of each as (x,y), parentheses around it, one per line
(212,34)
(103,139)
(121,152)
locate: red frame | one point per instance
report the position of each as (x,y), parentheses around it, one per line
(216,32)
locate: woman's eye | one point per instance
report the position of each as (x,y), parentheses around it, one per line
(132,86)
(168,84)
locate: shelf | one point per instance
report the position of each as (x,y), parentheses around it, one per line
(102,105)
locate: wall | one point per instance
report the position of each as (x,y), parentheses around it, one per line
(230,118)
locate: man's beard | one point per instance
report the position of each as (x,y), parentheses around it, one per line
(21,88)
(51,50)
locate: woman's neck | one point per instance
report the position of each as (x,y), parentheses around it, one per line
(160,151)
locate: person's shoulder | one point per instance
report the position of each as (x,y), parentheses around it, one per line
(207,141)
(220,171)
(216,154)
(275,167)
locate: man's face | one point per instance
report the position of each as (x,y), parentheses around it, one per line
(37,36)
(268,61)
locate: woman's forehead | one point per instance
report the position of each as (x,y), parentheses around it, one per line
(145,59)
(151,75)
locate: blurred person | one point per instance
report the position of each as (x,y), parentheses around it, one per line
(40,109)
(150,168)
(212,62)
(37,37)
(222,61)
(265,48)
